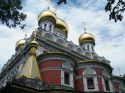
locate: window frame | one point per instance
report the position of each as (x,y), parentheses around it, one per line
(90,78)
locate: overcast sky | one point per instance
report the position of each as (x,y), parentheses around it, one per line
(110,36)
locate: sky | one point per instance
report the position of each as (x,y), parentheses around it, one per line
(110,36)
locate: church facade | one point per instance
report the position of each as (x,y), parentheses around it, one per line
(47,62)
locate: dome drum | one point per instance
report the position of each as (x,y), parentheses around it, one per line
(86,40)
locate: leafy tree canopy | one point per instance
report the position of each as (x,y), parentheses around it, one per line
(116,9)
(10,13)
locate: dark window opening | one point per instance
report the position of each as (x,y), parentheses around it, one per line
(88,47)
(107,85)
(45,26)
(92,49)
(90,83)
(66,78)
(84,48)
(50,27)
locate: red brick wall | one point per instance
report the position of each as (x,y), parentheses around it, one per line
(79,82)
(79,85)
(50,63)
(51,77)
(116,86)
(79,72)
(98,70)
(100,84)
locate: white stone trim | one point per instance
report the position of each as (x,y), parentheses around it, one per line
(95,84)
(103,84)
(111,86)
(71,79)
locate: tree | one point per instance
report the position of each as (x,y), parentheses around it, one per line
(10,13)
(115,10)
(61,2)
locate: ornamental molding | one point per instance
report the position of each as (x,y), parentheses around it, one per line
(67,65)
(89,71)
(105,73)
(31,83)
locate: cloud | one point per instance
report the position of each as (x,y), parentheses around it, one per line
(110,36)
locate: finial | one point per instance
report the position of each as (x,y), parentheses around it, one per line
(25,37)
(49,4)
(84,25)
(35,33)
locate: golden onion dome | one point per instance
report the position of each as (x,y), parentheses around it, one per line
(34,43)
(45,14)
(62,24)
(20,43)
(86,37)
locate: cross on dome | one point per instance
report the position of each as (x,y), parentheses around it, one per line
(49,4)
(84,26)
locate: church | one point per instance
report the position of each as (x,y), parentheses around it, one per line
(46,62)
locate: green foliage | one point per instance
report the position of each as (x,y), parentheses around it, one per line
(116,8)
(10,13)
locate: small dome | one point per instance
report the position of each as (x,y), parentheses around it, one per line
(46,14)
(20,43)
(62,24)
(86,37)
(34,43)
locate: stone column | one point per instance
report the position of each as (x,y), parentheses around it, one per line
(103,84)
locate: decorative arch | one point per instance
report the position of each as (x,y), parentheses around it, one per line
(89,71)
(67,75)
(90,79)
(67,66)
(105,73)
(49,36)
(61,41)
(79,50)
(71,46)
(88,54)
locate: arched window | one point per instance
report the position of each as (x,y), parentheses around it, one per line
(107,85)
(45,26)
(67,75)
(50,27)
(90,83)
(88,47)
(66,78)
(92,49)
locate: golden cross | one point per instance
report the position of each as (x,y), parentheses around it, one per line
(49,4)
(84,25)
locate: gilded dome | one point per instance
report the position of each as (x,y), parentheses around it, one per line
(20,42)
(34,43)
(86,37)
(62,24)
(47,14)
